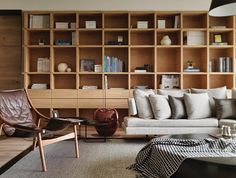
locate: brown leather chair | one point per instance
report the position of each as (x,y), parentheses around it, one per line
(16,115)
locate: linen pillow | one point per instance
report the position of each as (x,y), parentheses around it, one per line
(178,110)
(225,108)
(197,105)
(174,92)
(160,106)
(143,104)
(219,93)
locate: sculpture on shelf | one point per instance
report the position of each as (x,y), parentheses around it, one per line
(62,67)
(166,40)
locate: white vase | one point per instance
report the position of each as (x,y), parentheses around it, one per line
(62,67)
(166,40)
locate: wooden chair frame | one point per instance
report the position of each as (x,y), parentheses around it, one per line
(38,132)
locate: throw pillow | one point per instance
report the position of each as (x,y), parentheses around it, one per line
(175,93)
(160,106)
(197,105)
(177,106)
(143,104)
(226,108)
(219,93)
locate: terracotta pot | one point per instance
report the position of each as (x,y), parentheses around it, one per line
(107,121)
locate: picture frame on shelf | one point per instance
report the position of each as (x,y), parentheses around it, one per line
(217,38)
(87,65)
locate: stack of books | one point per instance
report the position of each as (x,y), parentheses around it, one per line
(113,64)
(43,65)
(192,69)
(140,69)
(39,21)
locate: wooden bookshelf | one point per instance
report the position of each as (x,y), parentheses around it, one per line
(140,46)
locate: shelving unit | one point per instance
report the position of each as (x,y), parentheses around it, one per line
(139,46)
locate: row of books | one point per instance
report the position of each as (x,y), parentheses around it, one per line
(39,21)
(113,64)
(43,65)
(222,64)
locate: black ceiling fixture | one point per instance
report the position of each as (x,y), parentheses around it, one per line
(222,8)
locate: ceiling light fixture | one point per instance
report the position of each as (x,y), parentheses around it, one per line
(222,8)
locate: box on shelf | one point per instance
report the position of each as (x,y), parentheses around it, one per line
(195,38)
(39,21)
(87,65)
(43,65)
(89,87)
(73,25)
(98,68)
(142,24)
(90,24)
(39,86)
(161,24)
(169,81)
(62,25)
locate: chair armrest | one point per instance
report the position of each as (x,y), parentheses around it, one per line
(26,128)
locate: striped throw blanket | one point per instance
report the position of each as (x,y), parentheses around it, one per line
(161,158)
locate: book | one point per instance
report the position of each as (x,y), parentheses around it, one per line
(73,38)
(113,64)
(39,21)
(87,65)
(43,65)
(137,70)
(192,70)
(176,23)
(89,87)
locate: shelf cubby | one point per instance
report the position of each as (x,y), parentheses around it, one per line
(197,55)
(120,53)
(117,81)
(83,17)
(135,17)
(194,41)
(194,20)
(64,81)
(194,81)
(64,17)
(226,37)
(142,38)
(90,80)
(168,59)
(169,19)
(36,37)
(159,78)
(221,22)
(175,36)
(90,37)
(38,79)
(32,57)
(141,56)
(64,35)
(116,20)
(111,37)
(68,112)
(219,80)
(65,55)
(142,80)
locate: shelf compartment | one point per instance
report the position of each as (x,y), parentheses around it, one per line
(135,17)
(90,80)
(117,81)
(32,57)
(65,35)
(90,53)
(141,56)
(169,20)
(226,37)
(64,103)
(37,37)
(83,17)
(65,17)
(86,113)
(111,37)
(64,81)
(222,80)
(38,79)
(194,81)
(66,112)
(168,59)
(67,55)
(194,20)
(142,80)
(159,80)
(175,37)
(116,20)
(195,39)
(198,56)
(142,38)
(221,22)
(90,37)
(120,53)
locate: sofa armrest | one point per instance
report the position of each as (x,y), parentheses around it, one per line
(132,107)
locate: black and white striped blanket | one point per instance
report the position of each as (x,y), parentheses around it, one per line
(161,158)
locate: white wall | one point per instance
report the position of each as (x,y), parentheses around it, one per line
(106,5)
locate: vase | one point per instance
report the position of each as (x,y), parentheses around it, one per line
(166,40)
(62,67)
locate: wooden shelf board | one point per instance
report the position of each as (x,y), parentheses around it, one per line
(142,29)
(168,46)
(37,29)
(115,29)
(194,29)
(37,46)
(166,30)
(64,46)
(194,73)
(116,46)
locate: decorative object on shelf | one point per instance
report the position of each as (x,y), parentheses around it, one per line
(87,65)
(190,67)
(72,25)
(166,40)
(90,24)
(176,23)
(43,65)
(68,69)
(120,40)
(226,131)
(113,64)
(39,86)
(161,24)
(217,40)
(62,25)
(62,67)
(169,81)
(41,42)
(140,69)
(89,87)
(98,68)
(194,38)
(142,24)
(220,8)
(147,67)
(39,21)
(63,42)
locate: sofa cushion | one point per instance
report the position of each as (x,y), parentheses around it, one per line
(219,93)
(197,105)
(138,122)
(178,110)
(229,122)
(172,92)
(160,106)
(143,104)
(225,108)
(132,107)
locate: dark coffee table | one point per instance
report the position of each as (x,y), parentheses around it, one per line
(205,167)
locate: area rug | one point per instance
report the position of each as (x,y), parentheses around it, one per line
(97,160)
